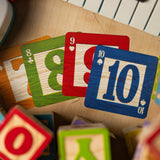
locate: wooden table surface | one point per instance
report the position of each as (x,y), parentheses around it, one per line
(37,18)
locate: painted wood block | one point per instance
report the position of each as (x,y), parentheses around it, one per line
(153,141)
(48,119)
(84,142)
(44,66)
(1,117)
(79,51)
(77,120)
(3,110)
(22,136)
(121,81)
(130,135)
(143,151)
(156,83)
(14,85)
(156,89)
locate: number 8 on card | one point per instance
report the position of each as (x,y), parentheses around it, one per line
(121,81)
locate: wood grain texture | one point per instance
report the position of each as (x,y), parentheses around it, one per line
(35,18)
(90,141)
(14,85)
(22,136)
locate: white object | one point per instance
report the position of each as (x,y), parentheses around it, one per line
(92,5)
(125,11)
(142,14)
(109,8)
(77,2)
(153,26)
(6,18)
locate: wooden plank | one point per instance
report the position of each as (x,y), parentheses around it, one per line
(142,14)
(125,11)
(76,2)
(109,8)
(92,5)
(153,26)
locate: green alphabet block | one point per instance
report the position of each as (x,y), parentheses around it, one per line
(87,142)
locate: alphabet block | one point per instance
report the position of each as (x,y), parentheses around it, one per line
(48,120)
(90,142)
(79,120)
(1,117)
(22,136)
(130,135)
(14,85)
(153,138)
(3,110)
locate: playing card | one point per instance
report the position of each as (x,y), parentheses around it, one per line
(44,67)
(79,51)
(121,81)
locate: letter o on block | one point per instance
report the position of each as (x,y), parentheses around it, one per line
(22,137)
(11,138)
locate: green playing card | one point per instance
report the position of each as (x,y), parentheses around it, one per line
(44,67)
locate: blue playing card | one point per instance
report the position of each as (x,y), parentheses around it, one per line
(121,81)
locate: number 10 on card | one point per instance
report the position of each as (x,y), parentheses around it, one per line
(121,82)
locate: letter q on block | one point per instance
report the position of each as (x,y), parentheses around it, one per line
(22,136)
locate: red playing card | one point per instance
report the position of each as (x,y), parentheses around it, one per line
(79,51)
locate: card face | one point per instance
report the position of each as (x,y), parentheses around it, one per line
(44,67)
(79,51)
(14,86)
(121,82)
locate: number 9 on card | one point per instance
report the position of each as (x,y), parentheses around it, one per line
(121,82)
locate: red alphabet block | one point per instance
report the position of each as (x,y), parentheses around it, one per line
(22,136)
